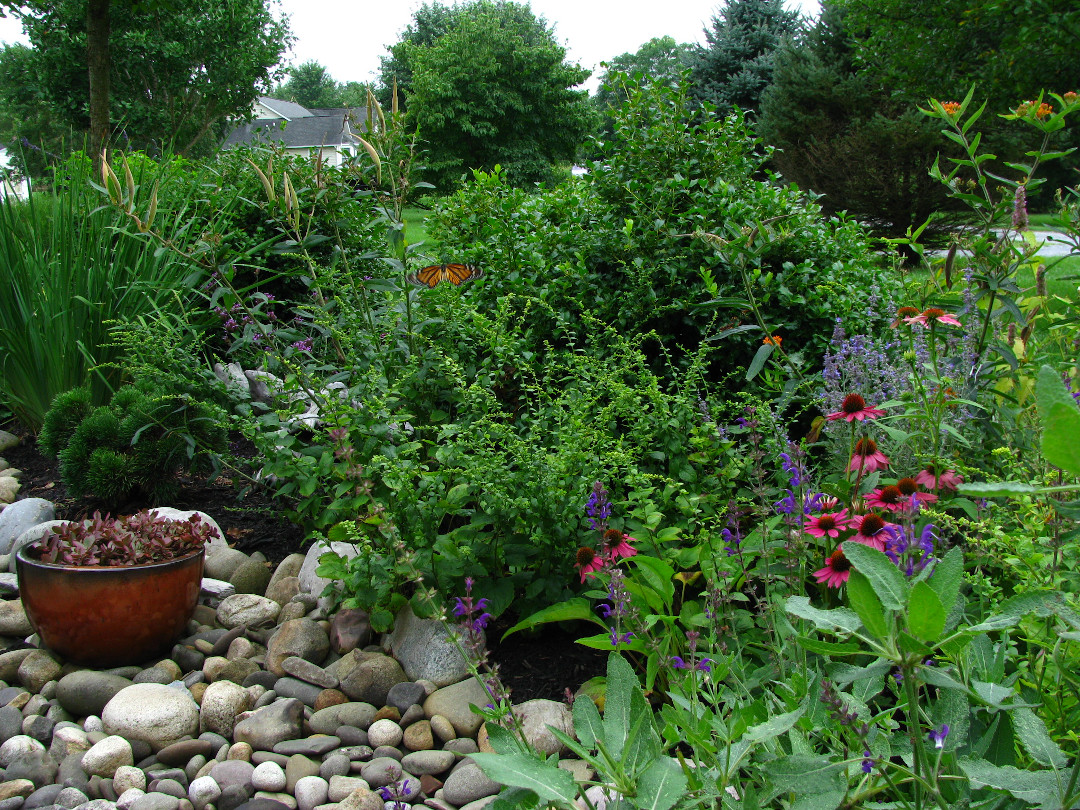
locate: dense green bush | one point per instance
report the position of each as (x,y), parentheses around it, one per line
(135,446)
(617,244)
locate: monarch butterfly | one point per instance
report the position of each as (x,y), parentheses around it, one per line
(454,273)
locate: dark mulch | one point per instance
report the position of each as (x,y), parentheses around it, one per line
(543,665)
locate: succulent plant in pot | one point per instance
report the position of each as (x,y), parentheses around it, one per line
(113,591)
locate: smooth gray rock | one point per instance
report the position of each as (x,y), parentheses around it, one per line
(272,724)
(13,619)
(251,576)
(425,649)
(87,691)
(452,702)
(221,562)
(106,756)
(403,695)
(302,638)
(232,772)
(20,516)
(356,714)
(293,688)
(157,714)
(467,784)
(370,680)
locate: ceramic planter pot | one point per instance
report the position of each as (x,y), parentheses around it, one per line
(109,617)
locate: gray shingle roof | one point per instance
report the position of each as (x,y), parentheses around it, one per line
(322,127)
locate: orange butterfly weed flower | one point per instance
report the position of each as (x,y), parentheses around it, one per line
(774,340)
(950,107)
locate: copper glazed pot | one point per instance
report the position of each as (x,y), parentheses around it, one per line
(109,617)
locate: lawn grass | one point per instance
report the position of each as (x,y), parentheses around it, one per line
(416,228)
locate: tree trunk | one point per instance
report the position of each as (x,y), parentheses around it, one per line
(97,57)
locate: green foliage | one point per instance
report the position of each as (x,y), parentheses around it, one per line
(309,85)
(68,271)
(494,89)
(840,135)
(616,245)
(208,64)
(737,64)
(136,444)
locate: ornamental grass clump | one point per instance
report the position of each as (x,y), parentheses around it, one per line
(138,539)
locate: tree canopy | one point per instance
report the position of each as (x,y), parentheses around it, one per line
(494,88)
(310,85)
(176,75)
(737,64)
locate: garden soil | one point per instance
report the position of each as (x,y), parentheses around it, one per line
(543,665)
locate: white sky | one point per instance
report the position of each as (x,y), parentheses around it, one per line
(349,36)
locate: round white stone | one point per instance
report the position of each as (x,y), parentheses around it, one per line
(18,747)
(105,757)
(268,776)
(151,712)
(384,732)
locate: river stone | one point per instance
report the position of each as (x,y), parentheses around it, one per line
(293,688)
(291,611)
(384,732)
(268,726)
(157,714)
(106,756)
(418,736)
(86,691)
(452,702)
(221,562)
(232,772)
(307,671)
(221,702)
(342,786)
(420,763)
(357,714)
(9,663)
(9,488)
(363,799)
(309,746)
(156,801)
(203,791)
(127,799)
(283,590)
(17,747)
(127,777)
(442,728)
(19,517)
(288,568)
(310,792)
(404,695)
(534,717)
(268,776)
(370,680)
(21,788)
(297,767)
(238,671)
(37,669)
(425,649)
(467,784)
(180,753)
(337,764)
(68,740)
(302,638)
(13,619)
(251,576)
(350,629)
(247,608)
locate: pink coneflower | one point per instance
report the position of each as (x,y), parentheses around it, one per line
(872,531)
(933,315)
(836,571)
(909,487)
(855,408)
(588,561)
(867,457)
(932,479)
(889,497)
(829,525)
(617,545)
(903,314)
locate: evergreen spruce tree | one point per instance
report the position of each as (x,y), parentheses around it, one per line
(737,65)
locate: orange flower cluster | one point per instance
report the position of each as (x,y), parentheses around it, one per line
(950,107)
(774,340)
(1070,98)
(1042,111)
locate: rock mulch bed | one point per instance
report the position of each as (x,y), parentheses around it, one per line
(270,702)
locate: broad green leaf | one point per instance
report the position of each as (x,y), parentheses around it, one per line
(587,723)
(515,799)
(658,574)
(563,611)
(926,616)
(550,783)
(623,706)
(660,785)
(763,353)
(774,726)
(865,602)
(984,489)
(885,578)
(1031,731)
(643,743)
(1042,604)
(822,647)
(940,679)
(947,576)
(502,740)
(838,619)
(1060,419)
(992,693)
(1034,787)
(804,774)
(843,674)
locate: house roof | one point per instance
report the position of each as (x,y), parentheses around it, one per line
(303,128)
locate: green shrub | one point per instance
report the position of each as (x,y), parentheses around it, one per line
(134,446)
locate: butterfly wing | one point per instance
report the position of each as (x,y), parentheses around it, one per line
(454,273)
